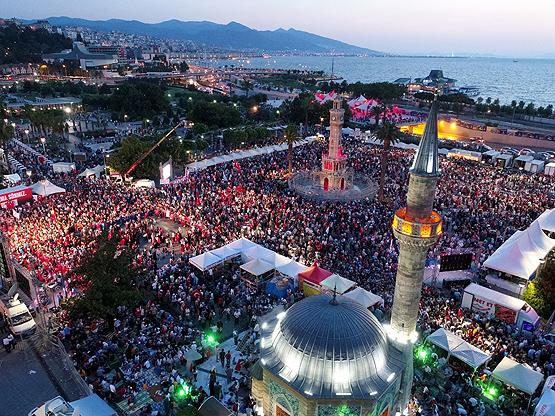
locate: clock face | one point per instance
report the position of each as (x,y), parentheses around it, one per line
(333,118)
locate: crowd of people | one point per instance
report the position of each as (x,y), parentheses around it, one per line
(145,346)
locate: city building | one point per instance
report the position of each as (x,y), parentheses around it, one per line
(329,355)
(84,56)
(416,227)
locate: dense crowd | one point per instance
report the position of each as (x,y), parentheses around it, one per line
(145,345)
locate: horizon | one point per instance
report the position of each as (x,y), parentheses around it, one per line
(485,29)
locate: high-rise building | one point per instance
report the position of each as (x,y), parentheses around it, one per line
(417,227)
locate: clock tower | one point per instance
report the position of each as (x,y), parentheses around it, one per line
(335,174)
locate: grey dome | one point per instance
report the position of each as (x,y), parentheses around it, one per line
(327,349)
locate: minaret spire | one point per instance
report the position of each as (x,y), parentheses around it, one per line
(417,227)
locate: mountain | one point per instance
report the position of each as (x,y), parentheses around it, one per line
(232,36)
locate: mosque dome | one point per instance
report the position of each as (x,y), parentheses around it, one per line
(327,348)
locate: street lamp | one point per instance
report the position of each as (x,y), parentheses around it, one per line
(27,133)
(104,155)
(255,108)
(43,141)
(67,110)
(29,173)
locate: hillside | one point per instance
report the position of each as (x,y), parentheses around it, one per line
(232,36)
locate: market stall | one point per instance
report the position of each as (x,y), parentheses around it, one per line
(205,261)
(256,272)
(46,188)
(311,279)
(337,283)
(364,297)
(518,375)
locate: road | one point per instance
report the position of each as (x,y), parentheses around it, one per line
(24,383)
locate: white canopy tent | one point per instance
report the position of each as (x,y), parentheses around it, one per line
(192,355)
(205,261)
(46,188)
(337,283)
(96,171)
(546,405)
(522,253)
(518,375)
(470,355)
(257,267)
(549,169)
(291,269)
(445,339)
(13,178)
(241,244)
(364,297)
(547,220)
(226,253)
(259,252)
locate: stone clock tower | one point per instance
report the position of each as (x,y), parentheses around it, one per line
(335,175)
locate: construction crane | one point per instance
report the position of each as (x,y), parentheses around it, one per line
(149,151)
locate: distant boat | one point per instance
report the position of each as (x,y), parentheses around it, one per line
(515,60)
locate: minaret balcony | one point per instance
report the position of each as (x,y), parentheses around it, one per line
(424,228)
(340,156)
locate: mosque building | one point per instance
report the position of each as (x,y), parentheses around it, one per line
(328,355)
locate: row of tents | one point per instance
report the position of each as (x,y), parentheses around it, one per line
(260,264)
(257,151)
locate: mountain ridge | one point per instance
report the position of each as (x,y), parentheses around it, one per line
(232,36)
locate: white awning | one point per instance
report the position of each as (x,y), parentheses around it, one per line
(547,220)
(338,283)
(518,375)
(241,244)
(205,261)
(257,267)
(364,297)
(259,252)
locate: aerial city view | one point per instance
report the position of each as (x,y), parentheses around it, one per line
(268,208)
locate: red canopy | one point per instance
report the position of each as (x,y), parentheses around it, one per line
(314,274)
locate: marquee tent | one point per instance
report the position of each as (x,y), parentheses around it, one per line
(445,339)
(364,297)
(226,253)
(13,178)
(205,261)
(546,405)
(518,375)
(470,355)
(547,220)
(257,267)
(280,261)
(213,407)
(192,355)
(338,283)
(291,269)
(46,188)
(96,171)
(549,169)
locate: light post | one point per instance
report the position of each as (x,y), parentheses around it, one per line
(104,156)
(27,134)
(322,124)
(29,173)
(43,141)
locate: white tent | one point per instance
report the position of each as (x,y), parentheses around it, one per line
(257,267)
(547,220)
(192,355)
(226,253)
(291,269)
(550,169)
(259,252)
(364,297)
(280,261)
(205,261)
(46,188)
(546,405)
(518,375)
(241,244)
(522,253)
(96,171)
(338,283)
(471,355)
(444,339)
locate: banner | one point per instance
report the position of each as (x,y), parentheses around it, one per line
(15,194)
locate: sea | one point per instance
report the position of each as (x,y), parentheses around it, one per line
(529,80)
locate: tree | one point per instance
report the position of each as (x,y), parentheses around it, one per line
(130,151)
(105,279)
(5,127)
(291,133)
(247,86)
(388,134)
(540,292)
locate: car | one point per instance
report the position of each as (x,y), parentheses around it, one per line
(18,317)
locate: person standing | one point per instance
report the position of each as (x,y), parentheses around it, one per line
(7,344)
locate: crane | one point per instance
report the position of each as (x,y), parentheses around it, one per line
(149,151)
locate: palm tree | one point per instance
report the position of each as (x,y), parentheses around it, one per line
(291,133)
(378,111)
(388,134)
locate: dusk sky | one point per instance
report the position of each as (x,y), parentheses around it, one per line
(497,27)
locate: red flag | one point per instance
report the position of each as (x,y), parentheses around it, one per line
(197,199)
(237,166)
